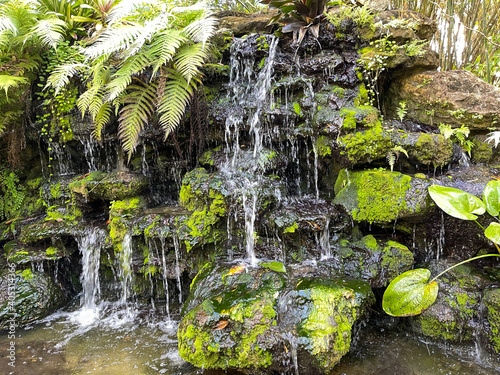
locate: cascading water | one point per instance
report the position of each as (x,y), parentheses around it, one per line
(125,276)
(249,209)
(90,245)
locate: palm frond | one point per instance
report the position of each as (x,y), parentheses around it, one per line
(7,82)
(164,46)
(114,39)
(189,59)
(50,31)
(177,94)
(202,30)
(62,73)
(139,107)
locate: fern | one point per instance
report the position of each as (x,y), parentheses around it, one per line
(62,73)
(189,59)
(172,105)
(50,31)
(101,119)
(139,107)
(7,82)
(113,40)
(494,137)
(164,46)
(201,31)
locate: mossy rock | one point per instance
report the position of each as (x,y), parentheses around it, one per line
(109,186)
(325,312)
(230,317)
(52,229)
(381,196)
(19,253)
(491,303)
(36,296)
(457,308)
(377,262)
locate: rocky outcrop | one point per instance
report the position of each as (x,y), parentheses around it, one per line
(453,98)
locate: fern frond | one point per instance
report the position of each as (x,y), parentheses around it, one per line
(114,39)
(189,59)
(123,77)
(50,31)
(8,81)
(62,73)
(139,107)
(164,46)
(88,99)
(101,119)
(494,137)
(200,31)
(177,94)
(8,118)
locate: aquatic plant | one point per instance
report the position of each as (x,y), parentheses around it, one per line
(412,292)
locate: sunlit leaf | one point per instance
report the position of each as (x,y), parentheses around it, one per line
(274,266)
(457,203)
(493,232)
(410,293)
(491,196)
(236,270)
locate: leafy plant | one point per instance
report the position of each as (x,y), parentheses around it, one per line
(401,110)
(459,135)
(13,194)
(393,155)
(298,15)
(143,69)
(412,292)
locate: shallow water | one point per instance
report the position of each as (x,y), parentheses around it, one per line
(147,345)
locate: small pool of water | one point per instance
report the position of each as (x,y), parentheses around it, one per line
(147,344)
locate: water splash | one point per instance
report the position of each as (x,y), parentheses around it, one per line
(125,277)
(249,209)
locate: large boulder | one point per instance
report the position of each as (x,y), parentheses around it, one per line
(455,98)
(250,318)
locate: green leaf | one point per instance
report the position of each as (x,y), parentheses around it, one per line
(274,266)
(491,196)
(410,293)
(457,203)
(493,232)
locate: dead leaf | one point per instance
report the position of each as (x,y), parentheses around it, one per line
(236,270)
(220,325)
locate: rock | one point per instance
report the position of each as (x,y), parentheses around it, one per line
(36,296)
(245,23)
(381,196)
(491,303)
(453,97)
(324,313)
(241,317)
(230,318)
(456,311)
(377,262)
(109,186)
(404,25)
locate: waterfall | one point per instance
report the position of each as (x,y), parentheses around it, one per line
(249,209)
(90,245)
(324,241)
(125,276)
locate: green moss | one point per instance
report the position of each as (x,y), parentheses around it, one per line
(292,228)
(373,195)
(492,304)
(481,152)
(119,212)
(433,149)
(365,146)
(433,327)
(26,274)
(332,309)
(322,146)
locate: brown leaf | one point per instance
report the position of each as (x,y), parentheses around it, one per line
(220,325)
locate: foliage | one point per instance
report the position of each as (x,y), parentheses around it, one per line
(298,15)
(13,194)
(411,292)
(459,135)
(144,65)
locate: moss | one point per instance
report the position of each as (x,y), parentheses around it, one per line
(439,329)
(373,195)
(481,152)
(322,146)
(332,307)
(208,156)
(365,146)
(364,115)
(432,149)
(109,186)
(292,228)
(119,212)
(492,304)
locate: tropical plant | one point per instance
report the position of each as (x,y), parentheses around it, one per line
(298,15)
(143,68)
(468,33)
(413,291)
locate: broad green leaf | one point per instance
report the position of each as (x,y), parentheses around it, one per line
(410,293)
(457,203)
(274,266)
(491,196)
(493,232)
